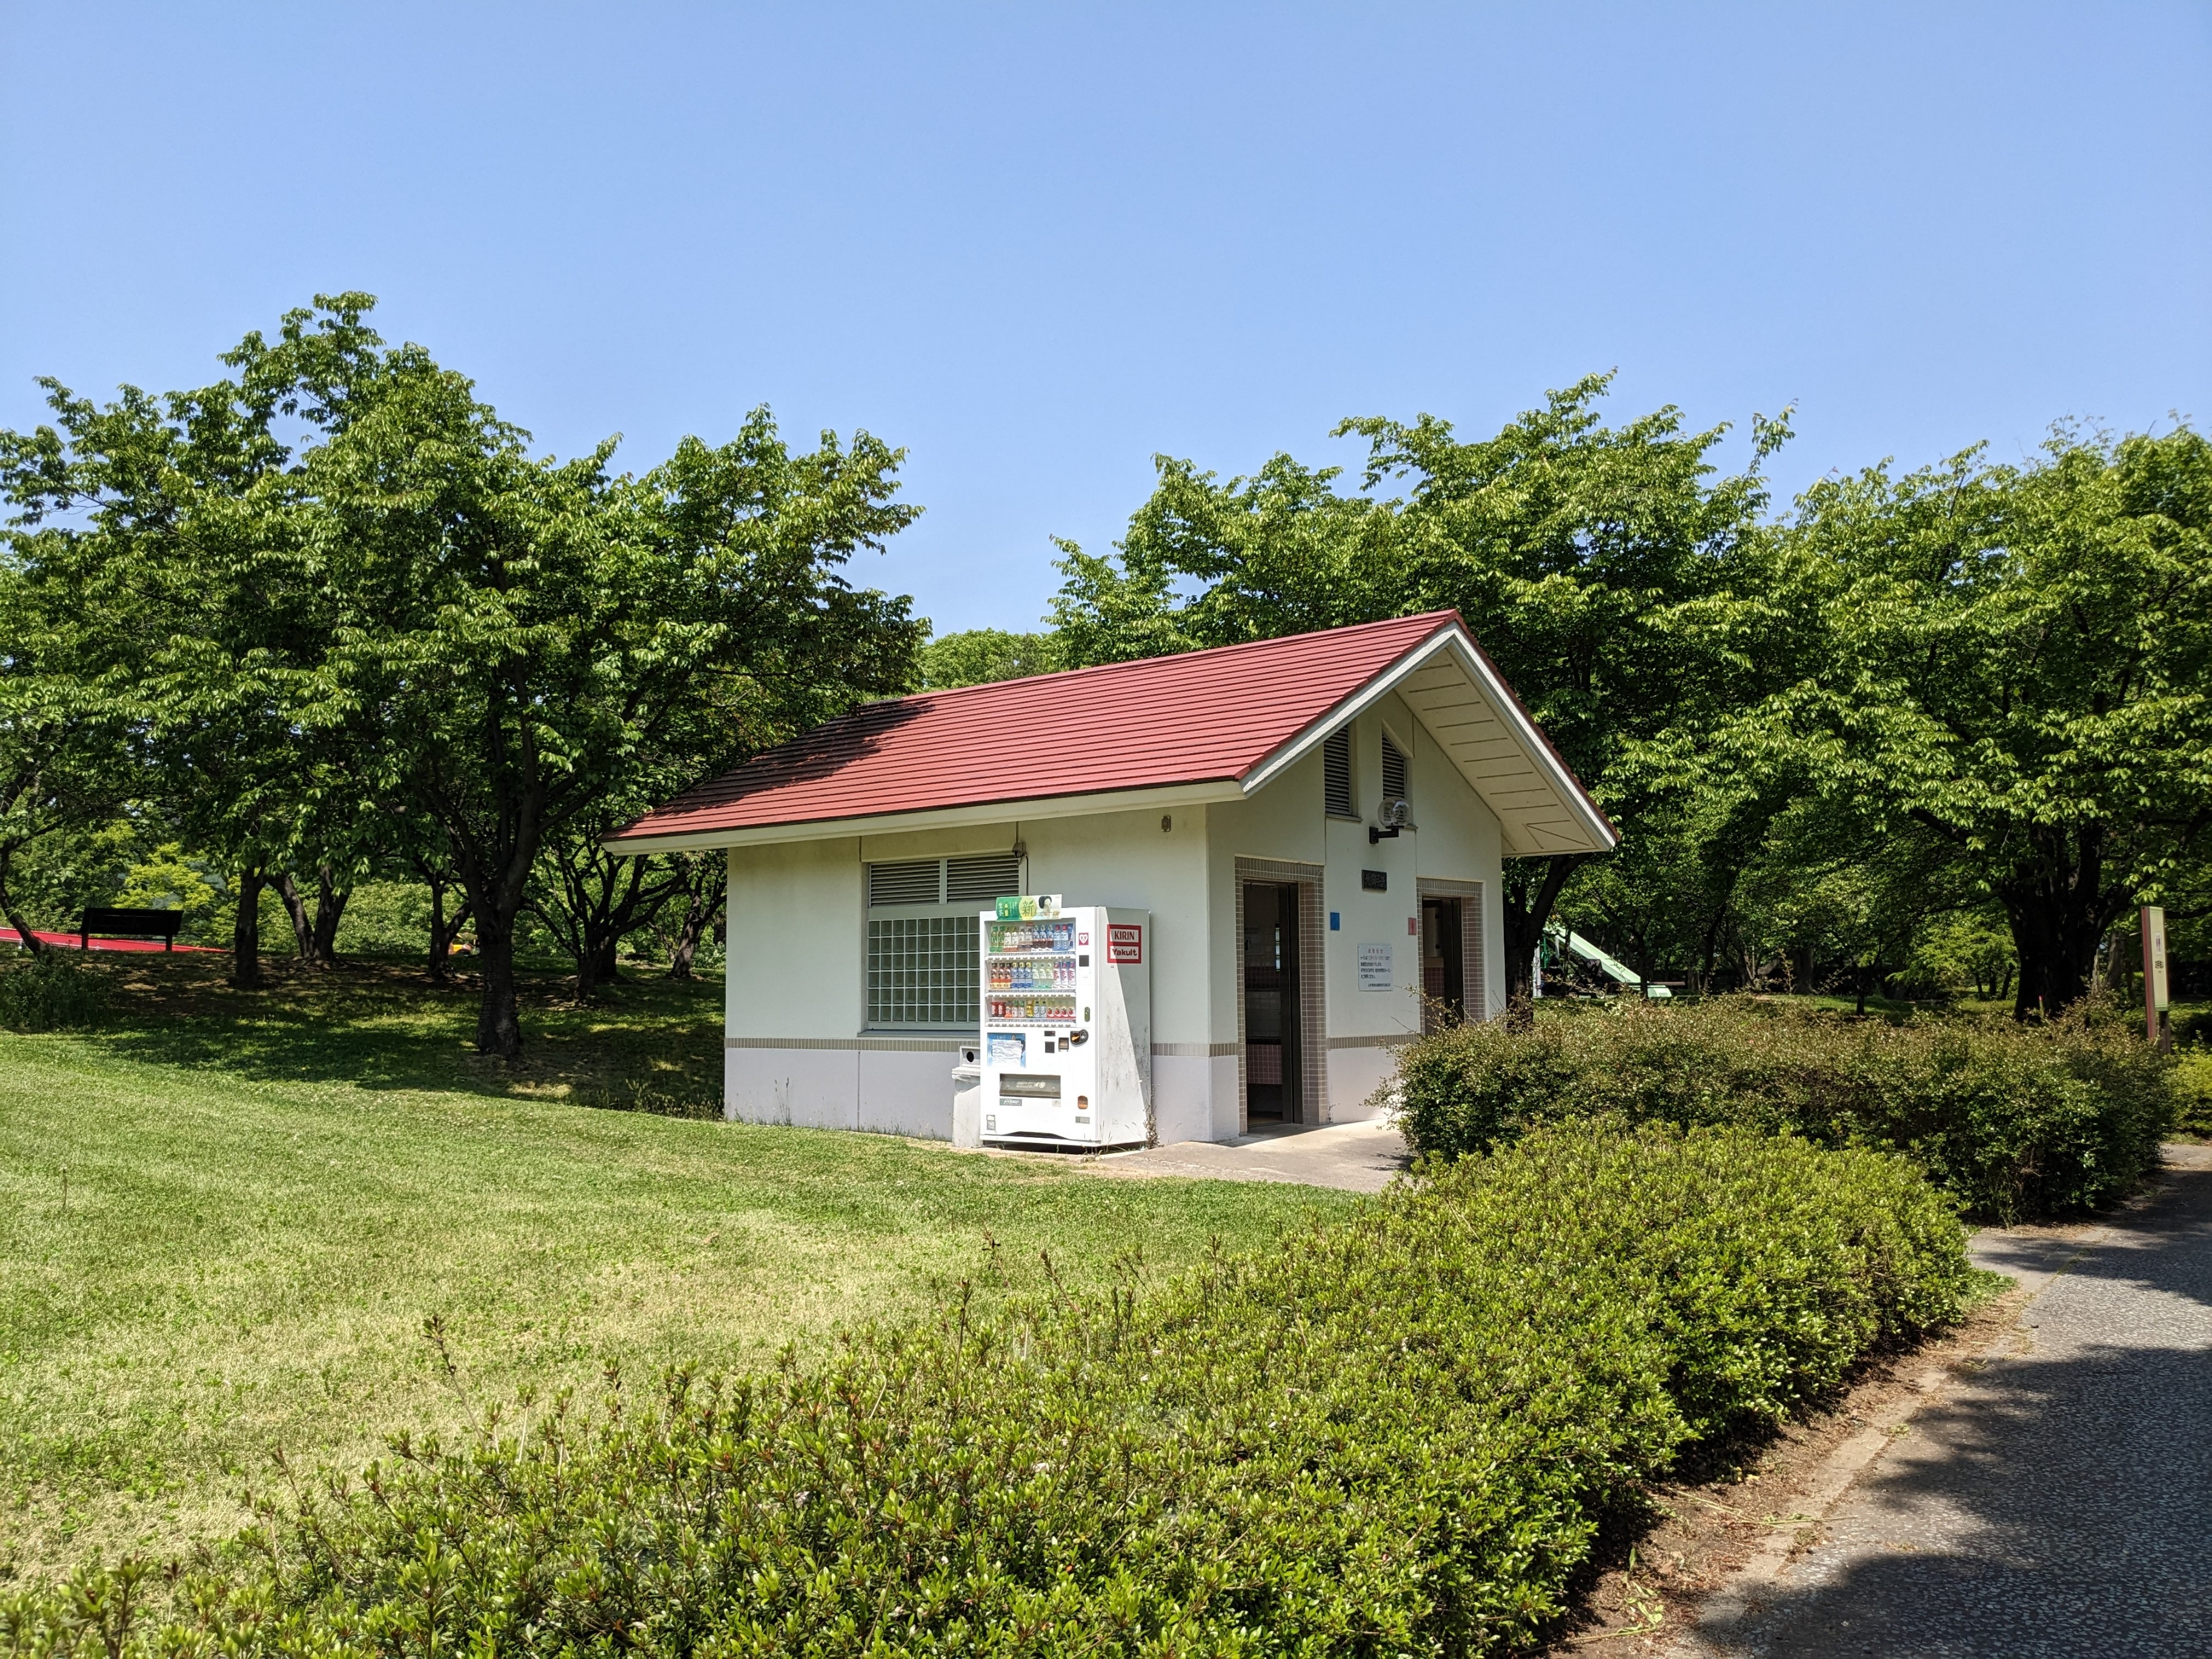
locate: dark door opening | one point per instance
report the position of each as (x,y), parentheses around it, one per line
(1444,971)
(1273,1063)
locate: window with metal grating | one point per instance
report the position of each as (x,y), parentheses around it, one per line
(1394,786)
(922,970)
(922,940)
(1336,775)
(981,879)
(915,882)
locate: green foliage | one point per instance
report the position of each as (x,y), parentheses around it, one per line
(2019,1125)
(335,615)
(2193,1077)
(168,879)
(1397,1435)
(51,992)
(979,656)
(2019,660)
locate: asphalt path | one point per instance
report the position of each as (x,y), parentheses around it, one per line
(2061,1504)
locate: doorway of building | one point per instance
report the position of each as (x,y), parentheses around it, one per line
(1273,1062)
(1444,970)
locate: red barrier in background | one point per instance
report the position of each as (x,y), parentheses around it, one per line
(67,942)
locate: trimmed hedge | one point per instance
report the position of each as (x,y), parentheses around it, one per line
(1396,1435)
(2021,1123)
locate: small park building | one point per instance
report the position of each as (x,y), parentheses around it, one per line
(1242,796)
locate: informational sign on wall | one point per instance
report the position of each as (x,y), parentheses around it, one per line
(1375,967)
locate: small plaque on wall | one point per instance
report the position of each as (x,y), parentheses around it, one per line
(1375,967)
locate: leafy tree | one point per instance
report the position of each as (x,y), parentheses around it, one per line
(2018,660)
(705,891)
(173,520)
(1624,585)
(508,634)
(982,654)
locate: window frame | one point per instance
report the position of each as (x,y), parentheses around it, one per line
(943,910)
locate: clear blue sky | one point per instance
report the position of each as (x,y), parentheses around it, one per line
(1035,245)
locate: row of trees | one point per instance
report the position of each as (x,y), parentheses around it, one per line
(1963,712)
(329,619)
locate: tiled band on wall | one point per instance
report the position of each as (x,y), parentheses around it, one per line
(944,1045)
(1473,964)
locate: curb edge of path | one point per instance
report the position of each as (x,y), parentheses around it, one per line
(1710,1634)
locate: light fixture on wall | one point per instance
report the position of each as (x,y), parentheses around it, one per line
(1393,815)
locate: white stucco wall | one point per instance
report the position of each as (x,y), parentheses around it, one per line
(800,1051)
(1456,837)
(797,1047)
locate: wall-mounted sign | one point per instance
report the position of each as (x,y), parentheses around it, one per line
(1375,967)
(1375,881)
(1124,943)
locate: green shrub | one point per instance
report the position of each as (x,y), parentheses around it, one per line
(1397,1435)
(2019,1123)
(2193,1077)
(51,991)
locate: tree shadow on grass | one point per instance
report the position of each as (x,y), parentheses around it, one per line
(384,1025)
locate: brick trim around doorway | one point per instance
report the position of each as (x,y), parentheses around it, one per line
(1313,1087)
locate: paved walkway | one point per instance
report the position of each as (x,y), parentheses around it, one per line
(1360,1157)
(2060,1504)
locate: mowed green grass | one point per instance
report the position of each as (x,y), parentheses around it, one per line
(203,1264)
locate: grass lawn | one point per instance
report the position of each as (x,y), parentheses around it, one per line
(224,1222)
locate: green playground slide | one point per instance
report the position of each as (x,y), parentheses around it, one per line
(1563,938)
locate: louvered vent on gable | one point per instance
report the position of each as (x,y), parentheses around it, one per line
(981,879)
(1336,775)
(914,882)
(1394,786)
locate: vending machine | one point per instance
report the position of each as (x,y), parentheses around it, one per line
(1067,1026)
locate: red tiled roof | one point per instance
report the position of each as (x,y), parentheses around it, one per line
(1201,717)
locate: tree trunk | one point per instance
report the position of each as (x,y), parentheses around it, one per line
(704,904)
(330,905)
(245,933)
(2058,907)
(29,940)
(499,1022)
(1524,923)
(303,925)
(315,932)
(606,961)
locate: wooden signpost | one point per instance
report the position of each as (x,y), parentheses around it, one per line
(2156,998)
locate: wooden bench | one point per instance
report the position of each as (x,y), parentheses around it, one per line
(130,924)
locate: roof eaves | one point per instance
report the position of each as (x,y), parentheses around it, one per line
(1078,803)
(1288,753)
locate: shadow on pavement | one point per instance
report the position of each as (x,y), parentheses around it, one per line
(2061,1504)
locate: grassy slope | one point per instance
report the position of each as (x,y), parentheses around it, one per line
(266,1199)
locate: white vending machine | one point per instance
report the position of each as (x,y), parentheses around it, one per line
(1067,1025)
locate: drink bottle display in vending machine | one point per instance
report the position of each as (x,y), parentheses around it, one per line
(1066,1019)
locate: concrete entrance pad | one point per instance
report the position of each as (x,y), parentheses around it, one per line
(1360,1157)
